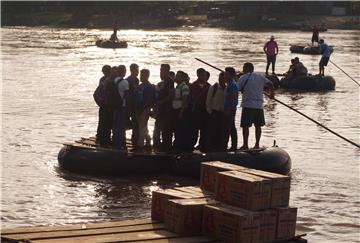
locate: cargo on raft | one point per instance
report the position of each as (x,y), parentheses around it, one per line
(307,49)
(85,157)
(111,44)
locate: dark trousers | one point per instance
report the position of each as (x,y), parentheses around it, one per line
(166,121)
(156,134)
(103,135)
(182,139)
(135,130)
(272,60)
(230,130)
(216,136)
(198,127)
(119,128)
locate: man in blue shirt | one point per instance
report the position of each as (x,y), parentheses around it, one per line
(230,104)
(325,51)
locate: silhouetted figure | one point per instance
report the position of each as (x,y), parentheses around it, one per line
(315,35)
(215,138)
(230,105)
(144,103)
(103,135)
(133,86)
(199,116)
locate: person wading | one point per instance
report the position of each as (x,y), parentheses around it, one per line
(271,50)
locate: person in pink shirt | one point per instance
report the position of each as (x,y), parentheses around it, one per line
(271,49)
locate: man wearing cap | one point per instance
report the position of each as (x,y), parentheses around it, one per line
(271,49)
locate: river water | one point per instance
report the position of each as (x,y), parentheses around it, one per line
(49,75)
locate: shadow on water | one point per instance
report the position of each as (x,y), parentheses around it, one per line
(125,197)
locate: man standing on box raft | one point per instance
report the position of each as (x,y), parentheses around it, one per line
(252,86)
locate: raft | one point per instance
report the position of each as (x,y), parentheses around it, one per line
(308,83)
(84,157)
(307,49)
(111,44)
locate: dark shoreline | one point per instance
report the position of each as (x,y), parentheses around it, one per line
(245,23)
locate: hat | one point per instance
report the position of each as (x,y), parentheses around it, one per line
(272,37)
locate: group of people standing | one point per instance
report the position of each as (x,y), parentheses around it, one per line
(186,114)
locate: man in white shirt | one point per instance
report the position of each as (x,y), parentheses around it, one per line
(252,86)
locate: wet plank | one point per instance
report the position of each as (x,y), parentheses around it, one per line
(87,232)
(140,230)
(195,239)
(100,225)
(115,237)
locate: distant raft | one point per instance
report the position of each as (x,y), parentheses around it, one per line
(307,49)
(308,83)
(111,44)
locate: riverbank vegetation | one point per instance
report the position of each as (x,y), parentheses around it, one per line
(240,15)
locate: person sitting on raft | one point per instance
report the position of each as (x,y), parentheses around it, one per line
(298,68)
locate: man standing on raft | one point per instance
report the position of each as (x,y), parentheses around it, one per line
(252,86)
(326,52)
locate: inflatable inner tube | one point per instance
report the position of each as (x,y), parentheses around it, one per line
(309,83)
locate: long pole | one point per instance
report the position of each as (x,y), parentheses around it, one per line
(316,122)
(344,72)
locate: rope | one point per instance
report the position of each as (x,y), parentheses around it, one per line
(316,122)
(344,72)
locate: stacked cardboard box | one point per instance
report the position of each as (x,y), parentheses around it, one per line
(233,204)
(160,199)
(184,216)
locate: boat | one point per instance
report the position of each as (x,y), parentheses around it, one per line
(111,44)
(309,83)
(84,157)
(307,49)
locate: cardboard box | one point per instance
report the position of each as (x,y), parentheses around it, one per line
(231,224)
(243,190)
(280,189)
(209,170)
(286,223)
(196,191)
(160,198)
(184,216)
(268,221)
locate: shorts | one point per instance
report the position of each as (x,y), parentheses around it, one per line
(323,61)
(252,115)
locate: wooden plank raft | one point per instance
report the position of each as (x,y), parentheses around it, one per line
(139,230)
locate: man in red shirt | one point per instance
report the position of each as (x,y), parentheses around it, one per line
(271,49)
(199,89)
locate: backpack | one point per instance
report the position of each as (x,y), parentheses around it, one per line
(114,100)
(99,96)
